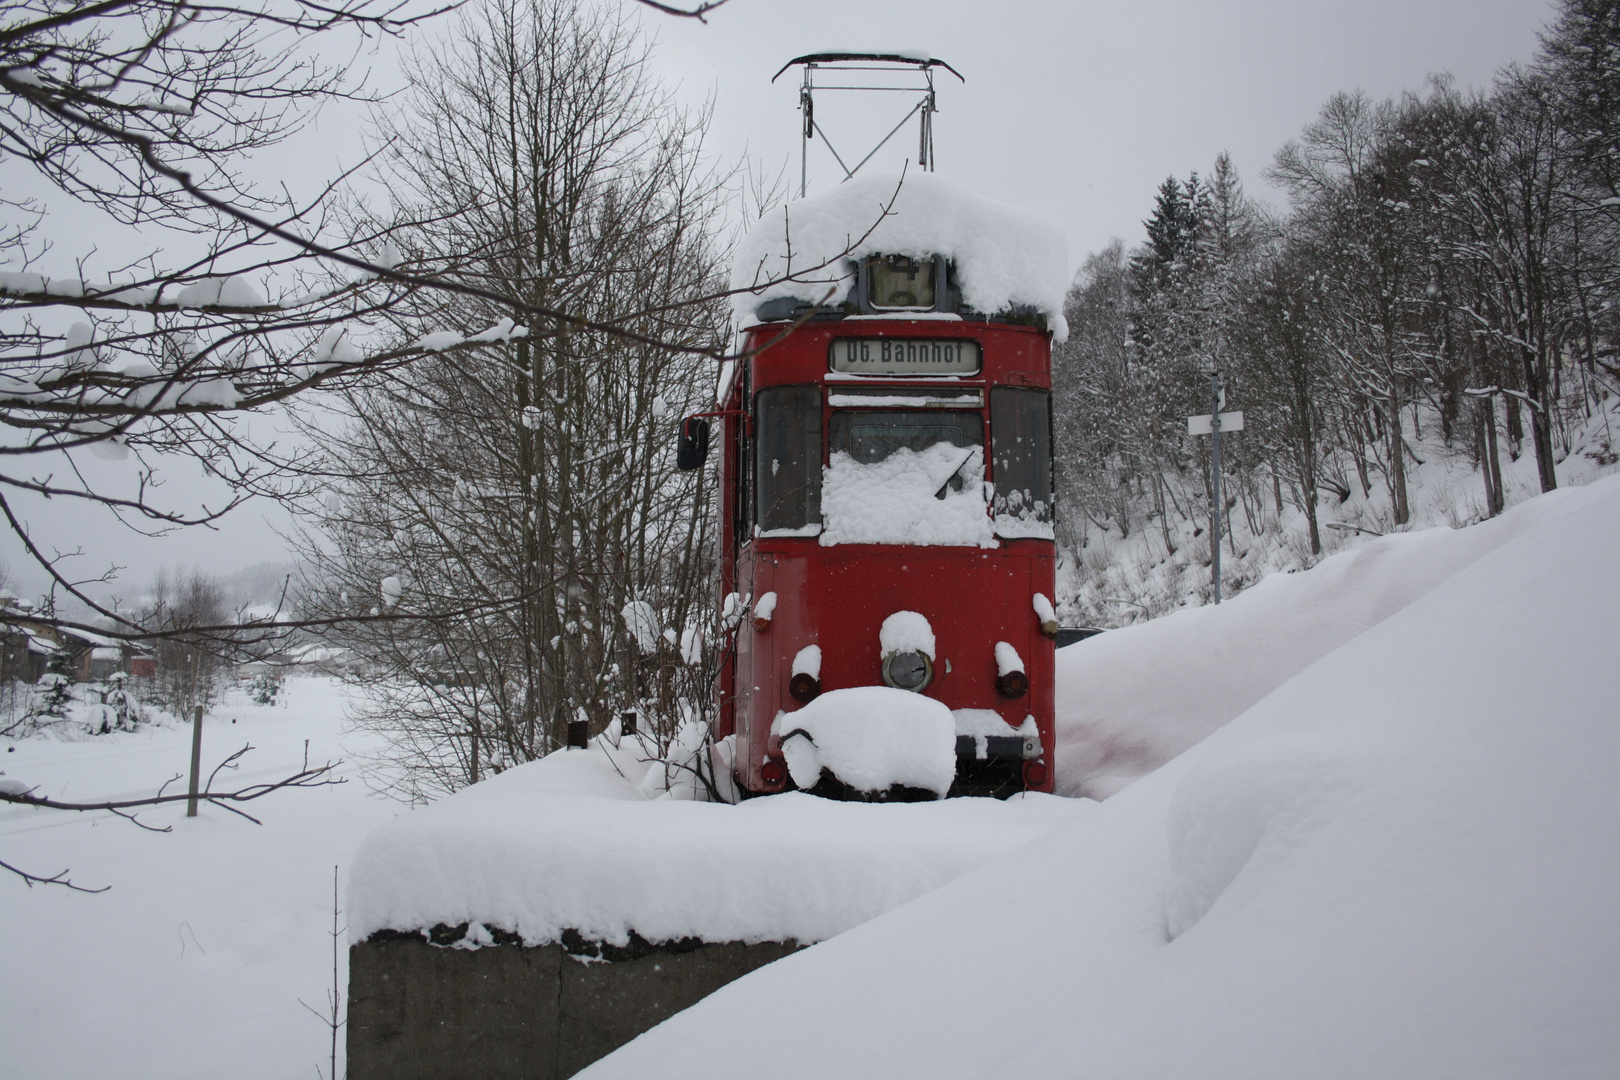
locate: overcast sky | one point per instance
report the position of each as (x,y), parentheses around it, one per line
(1077,110)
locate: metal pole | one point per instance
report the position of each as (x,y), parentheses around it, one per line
(1215,479)
(806,107)
(196,760)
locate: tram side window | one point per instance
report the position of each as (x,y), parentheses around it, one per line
(1021,460)
(787,459)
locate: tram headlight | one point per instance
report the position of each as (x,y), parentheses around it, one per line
(907,671)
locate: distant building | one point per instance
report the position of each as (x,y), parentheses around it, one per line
(27,644)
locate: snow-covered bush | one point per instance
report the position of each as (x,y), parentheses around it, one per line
(117,709)
(264,688)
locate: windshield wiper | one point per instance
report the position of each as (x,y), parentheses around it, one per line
(953,481)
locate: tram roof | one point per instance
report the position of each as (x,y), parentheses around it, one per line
(1005,256)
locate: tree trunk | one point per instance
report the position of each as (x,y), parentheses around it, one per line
(1397,462)
(1540,419)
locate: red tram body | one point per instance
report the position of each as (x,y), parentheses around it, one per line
(848,392)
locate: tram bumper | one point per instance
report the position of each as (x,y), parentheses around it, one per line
(998,747)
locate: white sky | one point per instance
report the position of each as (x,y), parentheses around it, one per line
(1079,109)
(1075,110)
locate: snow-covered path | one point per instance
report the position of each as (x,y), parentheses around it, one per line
(193,963)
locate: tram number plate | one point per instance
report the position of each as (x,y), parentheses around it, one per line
(908,356)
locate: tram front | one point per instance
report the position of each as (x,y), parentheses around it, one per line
(887,507)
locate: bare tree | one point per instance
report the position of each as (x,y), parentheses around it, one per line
(540,471)
(145,109)
(190,660)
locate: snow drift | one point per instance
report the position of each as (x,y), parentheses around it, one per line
(1397,863)
(1130,700)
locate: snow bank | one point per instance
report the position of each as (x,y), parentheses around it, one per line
(194,963)
(893,501)
(1400,863)
(571,842)
(1130,700)
(871,738)
(1004,255)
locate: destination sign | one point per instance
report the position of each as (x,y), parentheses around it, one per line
(909,356)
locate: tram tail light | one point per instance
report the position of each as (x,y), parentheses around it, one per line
(774,772)
(1014,684)
(1035,773)
(804,687)
(1011,681)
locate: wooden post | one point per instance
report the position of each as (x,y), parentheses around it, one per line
(196,759)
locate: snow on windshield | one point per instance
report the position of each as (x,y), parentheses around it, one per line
(934,496)
(1004,255)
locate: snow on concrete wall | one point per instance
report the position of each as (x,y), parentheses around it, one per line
(570,842)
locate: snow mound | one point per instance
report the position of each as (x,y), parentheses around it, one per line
(1005,256)
(1399,863)
(1130,700)
(571,842)
(871,738)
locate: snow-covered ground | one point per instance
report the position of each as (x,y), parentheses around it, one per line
(1400,862)
(193,963)
(1359,821)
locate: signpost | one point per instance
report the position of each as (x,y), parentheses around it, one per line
(1212,424)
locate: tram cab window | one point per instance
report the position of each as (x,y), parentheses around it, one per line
(898,283)
(1021,460)
(787,460)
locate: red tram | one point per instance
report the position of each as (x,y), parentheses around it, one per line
(890,455)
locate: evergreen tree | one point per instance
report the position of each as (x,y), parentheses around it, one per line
(56,686)
(1172,232)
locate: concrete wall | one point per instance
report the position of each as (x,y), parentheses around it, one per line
(507,1012)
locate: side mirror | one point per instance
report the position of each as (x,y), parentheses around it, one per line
(693,448)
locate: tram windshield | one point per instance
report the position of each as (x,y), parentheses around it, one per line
(909,476)
(901,475)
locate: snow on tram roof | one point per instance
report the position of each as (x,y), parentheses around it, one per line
(1005,255)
